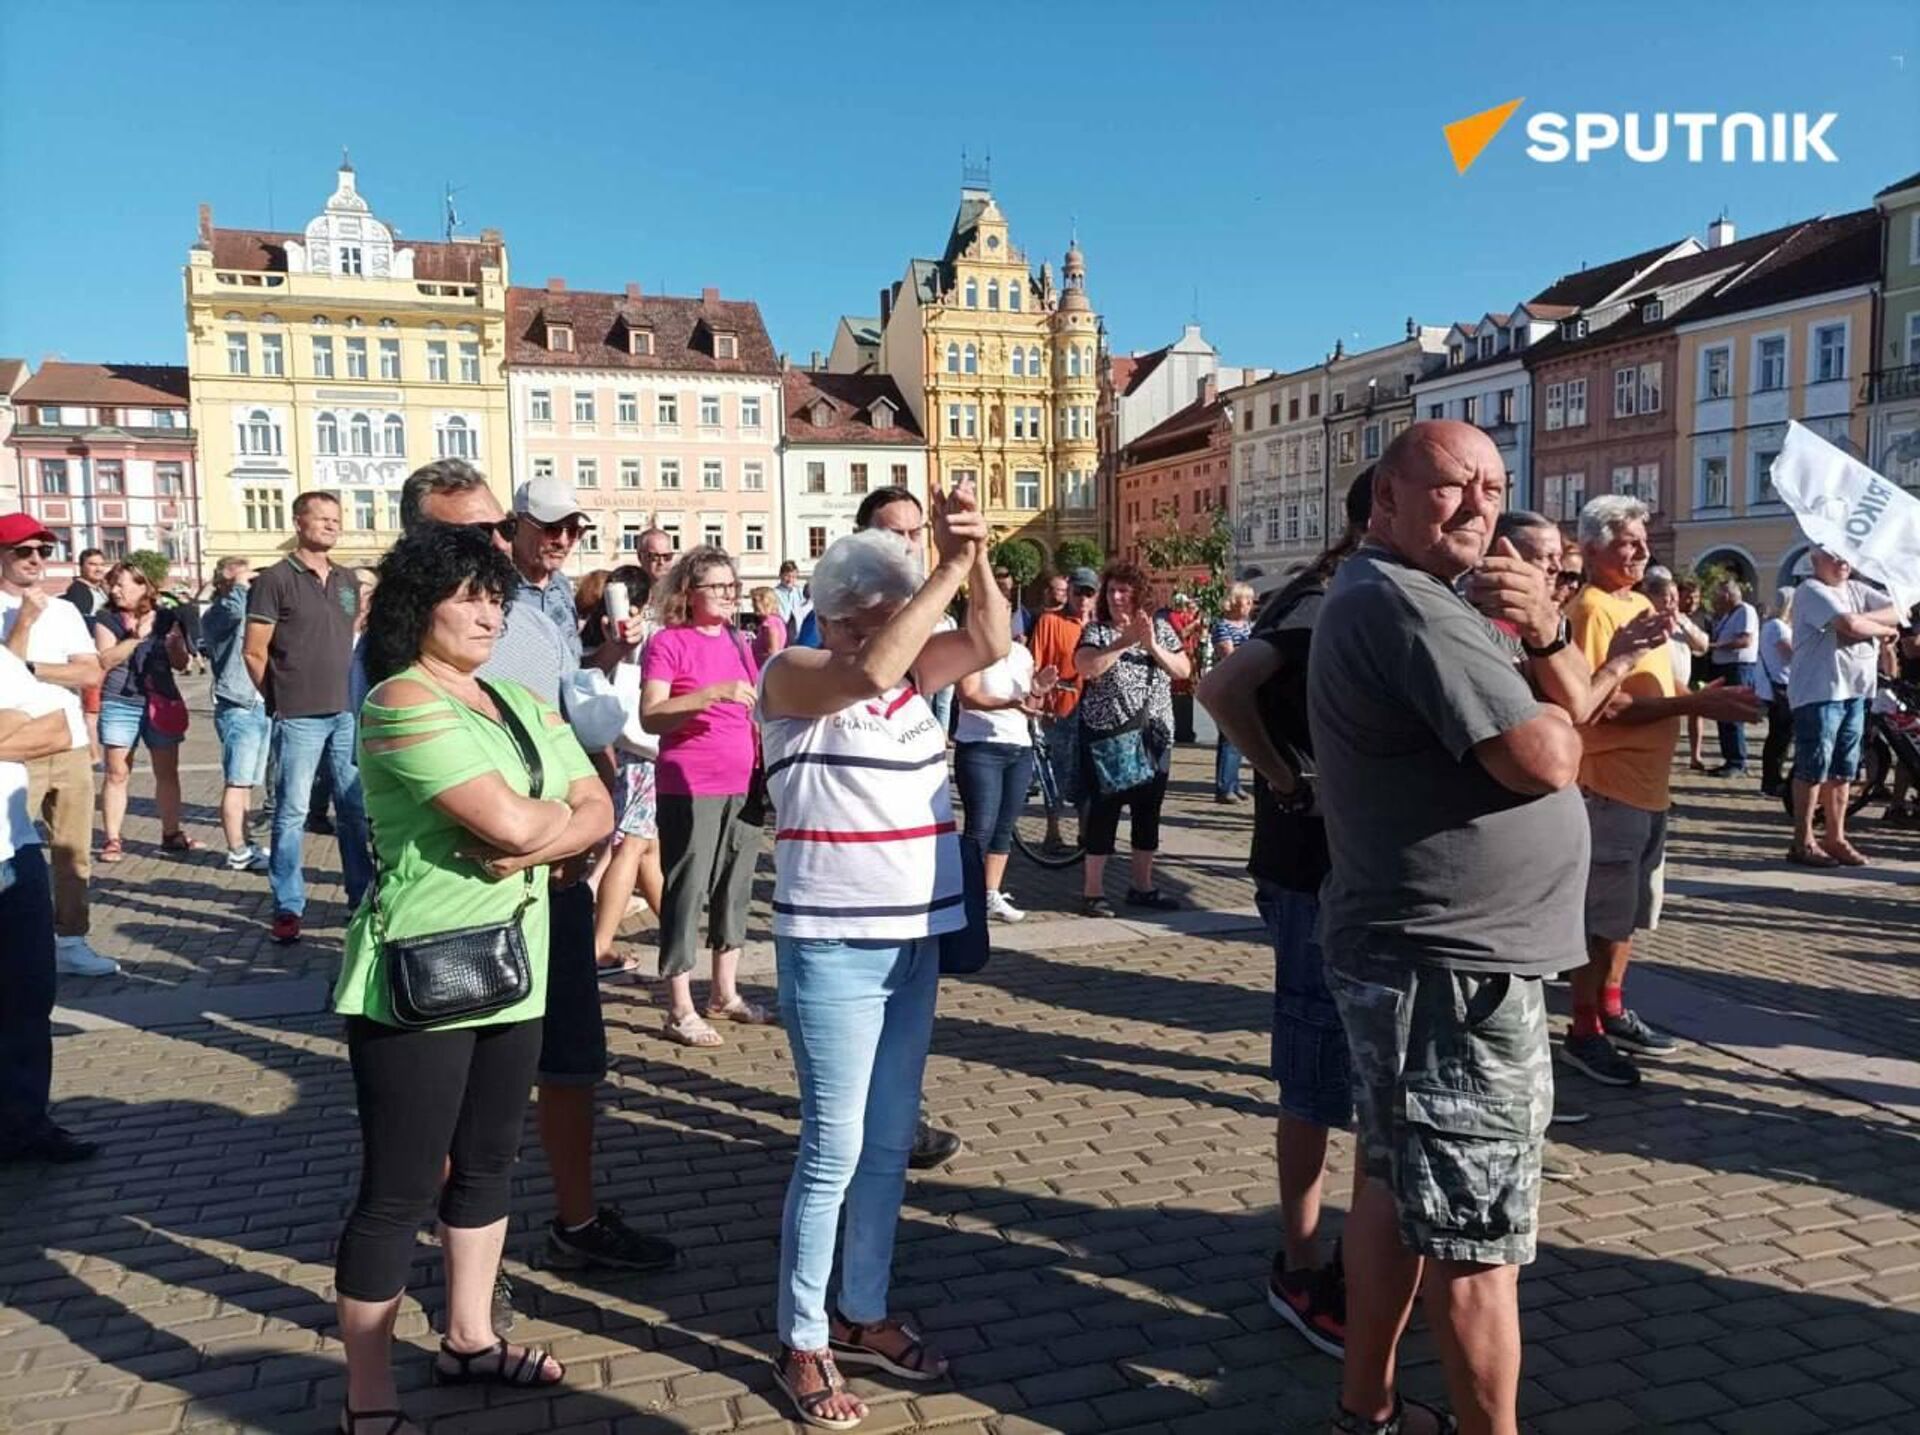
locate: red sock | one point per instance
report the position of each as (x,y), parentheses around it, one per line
(1586,1020)
(1610,1001)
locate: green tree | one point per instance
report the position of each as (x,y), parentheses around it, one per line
(1078,553)
(1177,550)
(1020,557)
(154,565)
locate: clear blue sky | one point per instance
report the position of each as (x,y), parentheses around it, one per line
(1284,163)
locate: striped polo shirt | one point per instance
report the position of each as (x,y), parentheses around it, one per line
(865,847)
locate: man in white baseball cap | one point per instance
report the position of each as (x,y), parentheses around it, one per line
(548,524)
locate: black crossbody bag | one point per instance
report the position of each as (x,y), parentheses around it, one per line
(471,971)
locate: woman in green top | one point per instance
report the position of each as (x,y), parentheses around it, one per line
(455,830)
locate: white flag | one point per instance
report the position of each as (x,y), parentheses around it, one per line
(1852,512)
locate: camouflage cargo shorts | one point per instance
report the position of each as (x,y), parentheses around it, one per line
(1453,1088)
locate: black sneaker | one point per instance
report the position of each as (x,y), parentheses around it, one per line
(1635,1035)
(607,1240)
(1153,897)
(1312,1302)
(932,1147)
(1565,1115)
(51,1144)
(1597,1057)
(1097,907)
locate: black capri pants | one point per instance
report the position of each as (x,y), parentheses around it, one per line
(1102,821)
(425,1096)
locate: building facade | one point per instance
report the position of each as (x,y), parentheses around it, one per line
(106,459)
(1279,474)
(1175,477)
(1788,339)
(1894,425)
(1001,372)
(845,435)
(658,410)
(341,358)
(1369,403)
(13,373)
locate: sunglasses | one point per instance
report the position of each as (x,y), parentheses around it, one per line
(1568,580)
(33,550)
(503,527)
(571,527)
(666,557)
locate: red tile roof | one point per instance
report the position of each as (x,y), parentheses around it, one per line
(141,385)
(1197,419)
(266,250)
(1827,254)
(1120,372)
(10,371)
(1586,287)
(683,332)
(851,397)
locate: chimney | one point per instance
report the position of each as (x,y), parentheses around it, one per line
(709,296)
(1720,233)
(886,304)
(490,236)
(1209,388)
(1413,328)
(633,292)
(813,364)
(556,286)
(206,224)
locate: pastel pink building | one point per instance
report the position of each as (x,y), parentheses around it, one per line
(659,411)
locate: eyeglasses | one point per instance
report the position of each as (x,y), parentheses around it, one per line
(722,588)
(503,527)
(665,556)
(33,550)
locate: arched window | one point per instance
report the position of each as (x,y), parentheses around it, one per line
(327,436)
(394,436)
(1019,362)
(953,358)
(234,316)
(973,294)
(388,324)
(360,435)
(262,436)
(456,439)
(320,321)
(353,322)
(1013,295)
(1033,362)
(993,293)
(269,318)
(970,363)
(1073,363)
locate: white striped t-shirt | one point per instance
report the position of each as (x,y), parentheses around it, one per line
(865,846)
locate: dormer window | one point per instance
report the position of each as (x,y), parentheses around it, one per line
(726,346)
(560,338)
(640,341)
(1456,355)
(1654,311)
(1573,328)
(881,414)
(822,414)
(350,260)
(1486,346)
(1519,339)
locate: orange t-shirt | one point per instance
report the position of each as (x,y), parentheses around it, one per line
(1629,762)
(1053,640)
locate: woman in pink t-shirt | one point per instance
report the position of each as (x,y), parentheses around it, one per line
(696,691)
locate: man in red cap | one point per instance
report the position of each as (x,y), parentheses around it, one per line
(49,635)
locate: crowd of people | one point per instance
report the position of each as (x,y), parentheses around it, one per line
(1461,729)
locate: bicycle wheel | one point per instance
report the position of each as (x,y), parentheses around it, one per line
(1030,827)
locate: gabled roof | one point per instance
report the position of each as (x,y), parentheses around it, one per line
(973,204)
(10,371)
(1824,255)
(1908,183)
(1143,367)
(141,385)
(864,331)
(1196,421)
(1120,372)
(852,397)
(265,251)
(1586,287)
(682,329)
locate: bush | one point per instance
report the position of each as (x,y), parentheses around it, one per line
(1021,557)
(154,565)
(1078,553)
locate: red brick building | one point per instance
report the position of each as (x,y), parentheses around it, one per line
(1174,477)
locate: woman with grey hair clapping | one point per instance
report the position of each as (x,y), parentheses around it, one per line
(867,879)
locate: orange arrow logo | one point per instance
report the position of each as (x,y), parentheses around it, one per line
(1466,138)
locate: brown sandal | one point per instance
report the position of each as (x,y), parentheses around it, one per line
(1809,856)
(850,1341)
(178,842)
(808,1403)
(112,850)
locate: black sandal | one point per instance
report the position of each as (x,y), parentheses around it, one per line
(852,1348)
(808,1404)
(351,1418)
(1347,1423)
(525,1374)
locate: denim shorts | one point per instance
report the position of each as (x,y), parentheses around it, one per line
(245,734)
(573,1038)
(124,724)
(1826,740)
(1454,1087)
(1310,1063)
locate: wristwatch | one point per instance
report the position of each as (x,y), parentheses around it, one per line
(32,671)
(1555,646)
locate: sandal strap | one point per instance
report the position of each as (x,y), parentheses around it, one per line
(914,1356)
(395,1418)
(823,1362)
(465,1362)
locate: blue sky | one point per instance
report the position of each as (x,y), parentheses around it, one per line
(1276,169)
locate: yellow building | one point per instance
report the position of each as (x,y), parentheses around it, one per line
(341,358)
(1001,370)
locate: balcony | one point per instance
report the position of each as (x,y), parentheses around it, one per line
(1891,385)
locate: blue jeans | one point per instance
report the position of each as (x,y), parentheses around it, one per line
(300,746)
(1733,735)
(1309,1055)
(859,1017)
(1226,770)
(26,1008)
(993,778)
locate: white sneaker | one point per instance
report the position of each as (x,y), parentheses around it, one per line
(73,956)
(999,906)
(247,859)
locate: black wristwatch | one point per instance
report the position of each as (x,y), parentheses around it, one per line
(1551,648)
(32,671)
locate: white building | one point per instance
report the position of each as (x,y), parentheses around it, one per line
(1279,473)
(13,373)
(843,436)
(1151,388)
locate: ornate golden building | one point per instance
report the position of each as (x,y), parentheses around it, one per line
(1001,369)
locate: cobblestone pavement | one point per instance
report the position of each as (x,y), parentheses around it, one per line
(1737,1249)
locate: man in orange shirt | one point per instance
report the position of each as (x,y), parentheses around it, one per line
(1055,635)
(1625,776)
